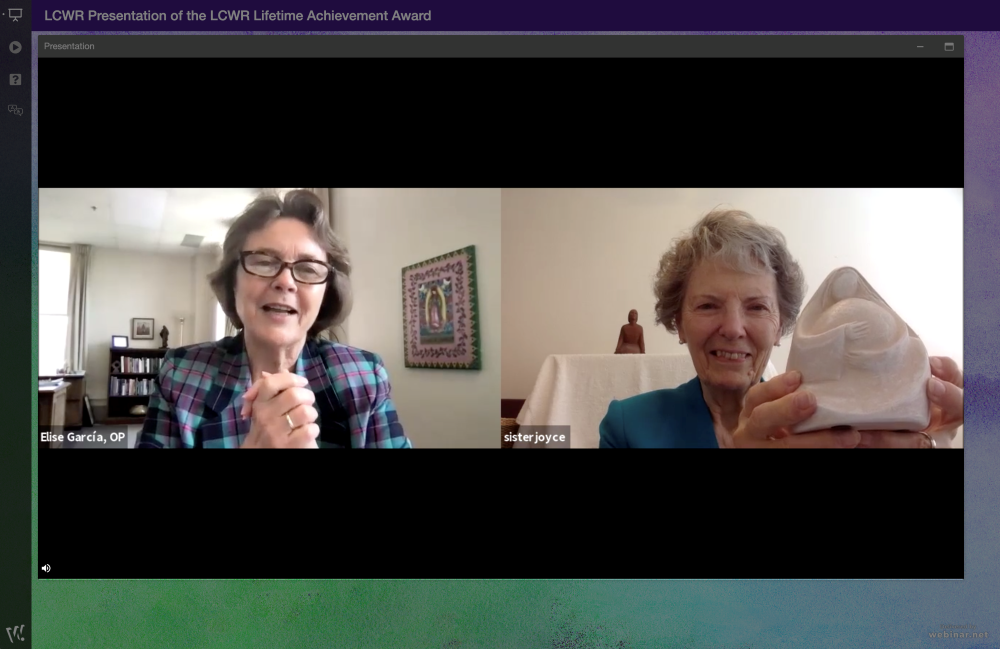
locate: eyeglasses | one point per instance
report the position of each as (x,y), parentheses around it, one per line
(305,271)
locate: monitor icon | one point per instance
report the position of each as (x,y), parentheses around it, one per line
(949,47)
(15,14)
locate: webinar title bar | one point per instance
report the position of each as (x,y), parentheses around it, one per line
(231,15)
(563,16)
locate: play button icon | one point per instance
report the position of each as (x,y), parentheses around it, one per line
(15,47)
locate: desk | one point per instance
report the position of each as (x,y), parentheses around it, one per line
(576,389)
(52,411)
(74,398)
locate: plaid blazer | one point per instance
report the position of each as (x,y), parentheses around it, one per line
(198,395)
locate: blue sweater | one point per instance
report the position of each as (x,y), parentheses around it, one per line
(672,418)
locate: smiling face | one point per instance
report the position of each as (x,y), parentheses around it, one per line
(279,311)
(730,321)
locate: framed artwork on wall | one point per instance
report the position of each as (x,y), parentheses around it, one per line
(142,328)
(441,313)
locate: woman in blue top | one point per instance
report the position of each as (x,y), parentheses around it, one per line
(731,290)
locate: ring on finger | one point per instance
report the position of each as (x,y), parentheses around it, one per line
(291,424)
(930,439)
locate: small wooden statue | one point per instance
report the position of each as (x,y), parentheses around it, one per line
(163,336)
(630,340)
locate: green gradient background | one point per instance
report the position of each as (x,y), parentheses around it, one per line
(529,614)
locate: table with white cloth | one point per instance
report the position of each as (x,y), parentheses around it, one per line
(575,390)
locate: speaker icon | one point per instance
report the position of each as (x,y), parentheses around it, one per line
(46,568)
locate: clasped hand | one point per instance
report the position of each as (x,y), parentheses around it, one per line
(280,407)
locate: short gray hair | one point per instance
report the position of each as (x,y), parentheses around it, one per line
(735,239)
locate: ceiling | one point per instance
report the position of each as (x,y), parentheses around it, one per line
(151,220)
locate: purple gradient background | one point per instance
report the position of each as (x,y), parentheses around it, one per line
(529,614)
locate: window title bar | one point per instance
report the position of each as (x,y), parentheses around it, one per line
(500,46)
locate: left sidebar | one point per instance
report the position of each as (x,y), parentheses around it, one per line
(19,268)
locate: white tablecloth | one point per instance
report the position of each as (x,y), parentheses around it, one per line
(576,389)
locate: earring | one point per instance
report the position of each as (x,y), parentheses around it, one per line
(681,342)
(777,344)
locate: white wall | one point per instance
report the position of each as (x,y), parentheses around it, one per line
(575,261)
(125,285)
(388,229)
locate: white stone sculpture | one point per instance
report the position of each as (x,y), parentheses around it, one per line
(867,368)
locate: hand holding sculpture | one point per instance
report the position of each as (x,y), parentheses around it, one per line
(630,340)
(866,367)
(946,392)
(773,408)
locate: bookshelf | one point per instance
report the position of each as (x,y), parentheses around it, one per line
(132,376)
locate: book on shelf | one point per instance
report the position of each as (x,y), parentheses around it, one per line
(130,387)
(132,365)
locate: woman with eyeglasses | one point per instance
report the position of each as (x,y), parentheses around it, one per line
(283,280)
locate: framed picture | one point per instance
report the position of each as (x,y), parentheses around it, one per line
(142,328)
(119,342)
(441,313)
